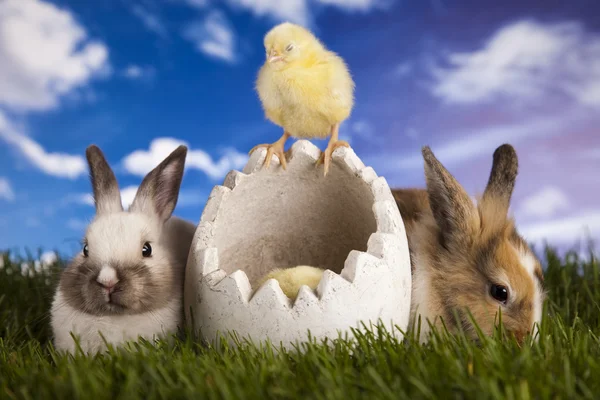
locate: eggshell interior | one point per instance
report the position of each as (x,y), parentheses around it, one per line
(346,223)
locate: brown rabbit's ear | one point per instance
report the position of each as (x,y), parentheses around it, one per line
(502,177)
(104,184)
(452,208)
(159,191)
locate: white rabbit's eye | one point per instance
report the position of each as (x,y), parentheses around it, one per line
(147,250)
(499,292)
(86,251)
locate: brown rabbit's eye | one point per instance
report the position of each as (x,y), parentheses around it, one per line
(147,250)
(86,251)
(499,293)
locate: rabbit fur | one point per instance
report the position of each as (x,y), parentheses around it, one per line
(466,255)
(127,282)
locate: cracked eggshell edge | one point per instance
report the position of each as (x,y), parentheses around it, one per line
(373,285)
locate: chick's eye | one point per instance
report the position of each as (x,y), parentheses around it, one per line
(289,47)
(499,292)
(146,250)
(86,251)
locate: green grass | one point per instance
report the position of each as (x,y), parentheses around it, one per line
(564,364)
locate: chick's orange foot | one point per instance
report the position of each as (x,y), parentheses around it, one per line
(274,148)
(326,156)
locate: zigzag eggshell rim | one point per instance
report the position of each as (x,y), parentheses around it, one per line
(390,232)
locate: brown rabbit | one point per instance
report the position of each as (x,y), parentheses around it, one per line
(470,256)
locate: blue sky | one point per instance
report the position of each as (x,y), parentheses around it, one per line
(138,77)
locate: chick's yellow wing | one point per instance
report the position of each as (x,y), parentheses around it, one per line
(340,87)
(325,88)
(269,94)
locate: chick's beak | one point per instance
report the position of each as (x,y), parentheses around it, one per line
(273,56)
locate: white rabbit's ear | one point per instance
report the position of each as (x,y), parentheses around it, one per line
(104,184)
(158,192)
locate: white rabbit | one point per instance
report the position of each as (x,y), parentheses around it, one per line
(127,281)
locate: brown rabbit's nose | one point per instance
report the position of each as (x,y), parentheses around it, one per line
(107,278)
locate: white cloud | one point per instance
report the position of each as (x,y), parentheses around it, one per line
(214,36)
(60,165)
(140,162)
(6,190)
(150,20)
(483,142)
(563,230)
(79,198)
(186,197)
(138,72)
(44,54)
(127,195)
(544,204)
(298,11)
(526,60)
(361,5)
(287,10)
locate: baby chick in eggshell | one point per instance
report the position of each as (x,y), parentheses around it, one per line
(304,88)
(291,279)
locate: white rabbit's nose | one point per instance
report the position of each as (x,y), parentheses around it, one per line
(107,277)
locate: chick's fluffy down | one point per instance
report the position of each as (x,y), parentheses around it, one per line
(291,279)
(310,95)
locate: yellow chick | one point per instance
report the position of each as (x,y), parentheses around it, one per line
(291,279)
(304,88)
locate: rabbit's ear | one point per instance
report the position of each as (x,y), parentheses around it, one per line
(502,177)
(452,208)
(104,184)
(159,191)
